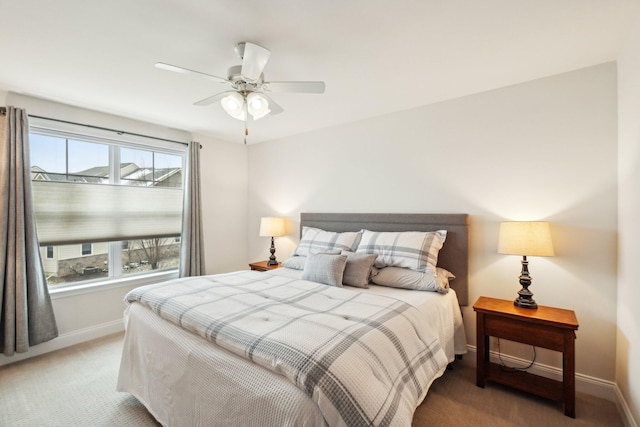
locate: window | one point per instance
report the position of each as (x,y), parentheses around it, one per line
(150,254)
(105,208)
(147,168)
(56,158)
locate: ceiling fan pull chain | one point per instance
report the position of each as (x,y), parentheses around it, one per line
(246,118)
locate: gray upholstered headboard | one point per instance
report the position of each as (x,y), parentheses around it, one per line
(454,255)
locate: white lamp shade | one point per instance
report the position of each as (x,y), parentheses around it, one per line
(233,104)
(257,105)
(525,238)
(272,227)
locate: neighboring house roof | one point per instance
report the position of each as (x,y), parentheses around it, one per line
(155,175)
(97,171)
(100,174)
(51,176)
(128,168)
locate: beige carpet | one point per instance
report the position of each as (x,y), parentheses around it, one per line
(454,400)
(76,387)
(70,387)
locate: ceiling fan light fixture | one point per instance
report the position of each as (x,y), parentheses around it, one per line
(248,97)
(233,104)
(258,106)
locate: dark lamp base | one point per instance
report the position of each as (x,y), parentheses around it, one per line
(272,258)
(525,303)
(525,296)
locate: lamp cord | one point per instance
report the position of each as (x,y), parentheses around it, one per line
(504,366)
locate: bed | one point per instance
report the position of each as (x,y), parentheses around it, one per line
(186,374)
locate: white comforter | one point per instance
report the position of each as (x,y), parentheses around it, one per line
(377,390)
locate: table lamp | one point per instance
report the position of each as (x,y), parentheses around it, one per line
(527,239)
(272,227)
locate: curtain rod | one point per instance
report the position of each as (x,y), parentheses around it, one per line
(3,111)
(119,132)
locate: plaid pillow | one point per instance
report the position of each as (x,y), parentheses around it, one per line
(415,250)
(315,240)
(324,268)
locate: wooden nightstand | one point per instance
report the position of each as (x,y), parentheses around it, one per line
(262,266)
(545,327)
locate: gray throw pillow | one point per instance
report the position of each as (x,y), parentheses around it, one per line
(325,268)
(295,262)
(358,269)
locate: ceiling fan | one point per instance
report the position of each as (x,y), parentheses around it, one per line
(247,97)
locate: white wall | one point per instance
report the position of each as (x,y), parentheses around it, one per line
(542,150)
(224,200)
(628,320)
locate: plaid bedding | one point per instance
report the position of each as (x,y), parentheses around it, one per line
(315,240)
(364,359)
(416,250)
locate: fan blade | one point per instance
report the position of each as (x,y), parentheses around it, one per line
(254,60)
(177,69)
(275,108)
(299,87)
(210,100)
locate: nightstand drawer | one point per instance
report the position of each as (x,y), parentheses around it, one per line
(526,333)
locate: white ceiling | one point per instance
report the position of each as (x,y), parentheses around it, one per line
(376,56)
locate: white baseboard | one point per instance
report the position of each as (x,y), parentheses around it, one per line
(584,383)
(66,340)
(623,408)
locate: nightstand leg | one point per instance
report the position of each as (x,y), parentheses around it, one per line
(482,349)
(569,375)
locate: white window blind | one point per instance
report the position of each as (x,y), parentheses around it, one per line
(68,212)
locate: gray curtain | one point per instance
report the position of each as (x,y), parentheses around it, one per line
(192,245)
(26,313)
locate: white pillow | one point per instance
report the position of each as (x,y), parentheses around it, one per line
(315,240)
(416,250)
(325,268)
(395,277)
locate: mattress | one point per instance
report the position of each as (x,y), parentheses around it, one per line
(185,380)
